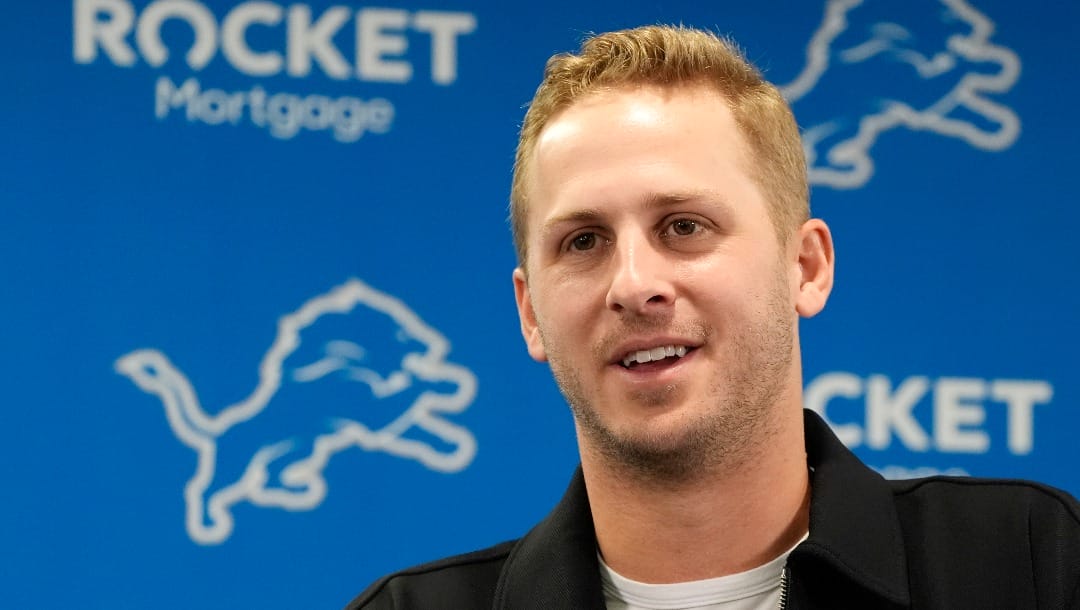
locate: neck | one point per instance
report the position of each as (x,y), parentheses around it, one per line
(728,519)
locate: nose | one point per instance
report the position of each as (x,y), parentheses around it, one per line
(641,278)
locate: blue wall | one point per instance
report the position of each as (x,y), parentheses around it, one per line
(260,341)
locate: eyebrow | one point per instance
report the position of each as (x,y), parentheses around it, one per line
(577,216)
(662,200)
(651,201)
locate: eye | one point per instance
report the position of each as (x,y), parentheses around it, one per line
(584,241)
(684,226)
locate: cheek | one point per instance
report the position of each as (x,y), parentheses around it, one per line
(732,295)
(721,281)
(570,292)
(560,316)
(567,319)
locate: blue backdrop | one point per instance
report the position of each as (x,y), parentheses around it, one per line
(260,341)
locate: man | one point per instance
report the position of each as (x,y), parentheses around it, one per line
(666,252)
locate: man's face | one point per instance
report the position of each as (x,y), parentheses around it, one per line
(655,285)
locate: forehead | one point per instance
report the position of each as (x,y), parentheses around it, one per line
(637,144)
(635,110)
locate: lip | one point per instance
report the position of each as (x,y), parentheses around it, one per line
(652,374)
(616,356)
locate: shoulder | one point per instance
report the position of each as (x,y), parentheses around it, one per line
(995,508)
(991,498)
(461,581)
(1004,531)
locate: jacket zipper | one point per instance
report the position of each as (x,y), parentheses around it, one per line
(783,589)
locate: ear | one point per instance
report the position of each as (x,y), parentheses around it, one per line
(530,330)
(816,266)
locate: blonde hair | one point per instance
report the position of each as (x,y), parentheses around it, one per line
(673,56)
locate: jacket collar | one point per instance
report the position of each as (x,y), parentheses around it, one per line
(555,565)
(853,529)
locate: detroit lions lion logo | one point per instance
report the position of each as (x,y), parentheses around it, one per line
(937,71)
(350,368)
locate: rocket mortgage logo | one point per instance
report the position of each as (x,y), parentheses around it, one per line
(302,43)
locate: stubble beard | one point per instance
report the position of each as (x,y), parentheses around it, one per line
(729,434)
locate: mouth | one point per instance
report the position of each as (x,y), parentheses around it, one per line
(655,357)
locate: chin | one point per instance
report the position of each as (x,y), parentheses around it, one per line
(669,444)
(674,440)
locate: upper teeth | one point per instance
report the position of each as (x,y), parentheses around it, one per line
(656,353)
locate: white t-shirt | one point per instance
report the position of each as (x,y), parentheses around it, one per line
(755,589)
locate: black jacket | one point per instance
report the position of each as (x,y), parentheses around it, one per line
(940,542)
